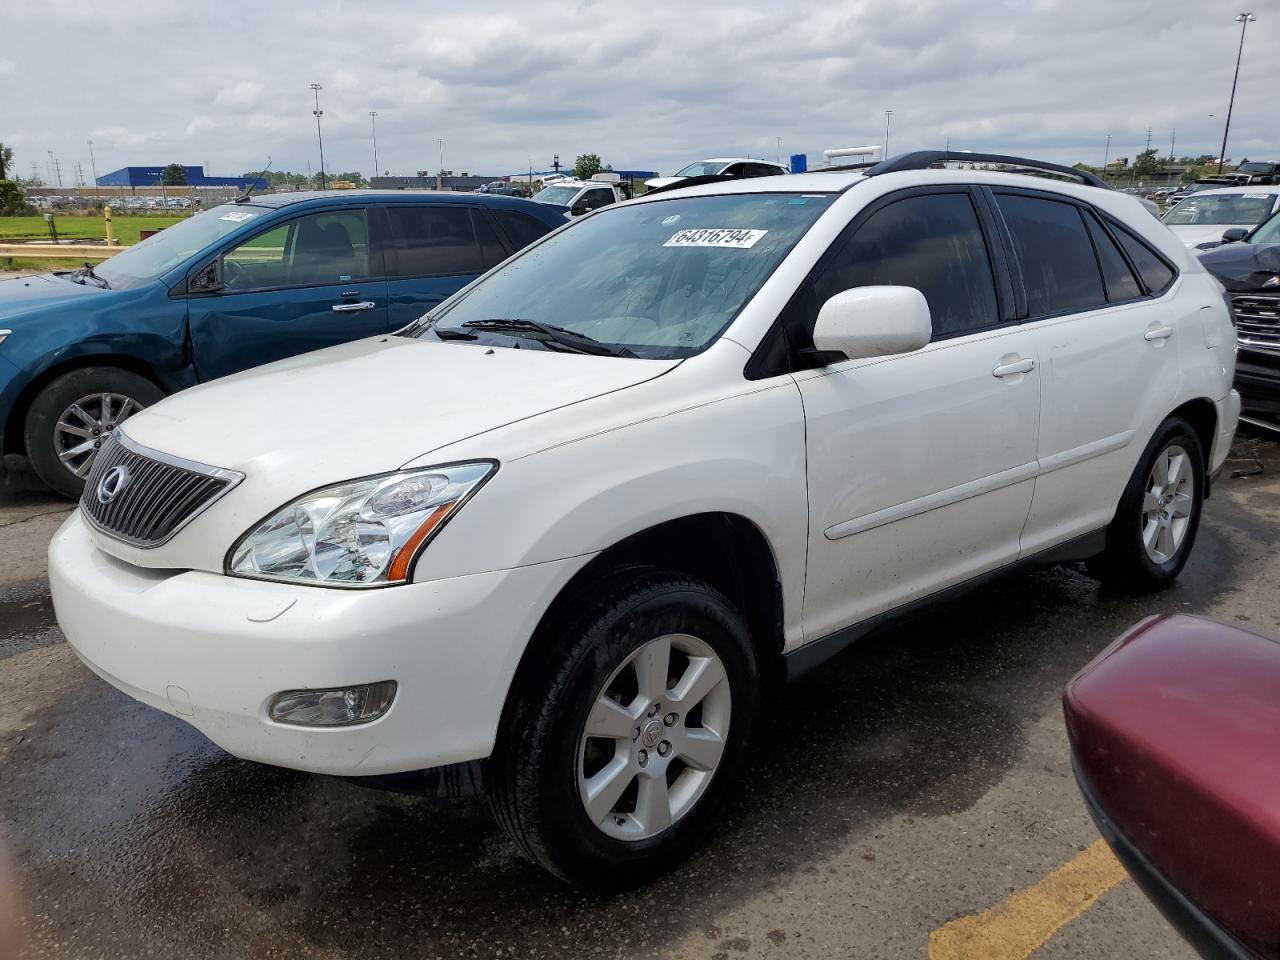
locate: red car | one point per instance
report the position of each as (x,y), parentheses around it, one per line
(1175,737)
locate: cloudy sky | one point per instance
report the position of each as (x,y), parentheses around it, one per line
(226,83)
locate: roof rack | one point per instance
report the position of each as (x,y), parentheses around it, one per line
(922,159)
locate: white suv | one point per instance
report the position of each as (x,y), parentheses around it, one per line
(564,530)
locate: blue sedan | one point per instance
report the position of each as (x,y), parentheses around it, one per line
(243,284)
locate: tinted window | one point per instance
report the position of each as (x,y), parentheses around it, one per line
(933,243)
(1059,270)
(1155,272)
(1121,283)
(316,249)
(431,241)
(520,228)
(598,198)
(761,170)
(492,248)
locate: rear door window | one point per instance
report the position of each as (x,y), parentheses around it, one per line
(520,228)
(431,241)
(1059,270)
(1155,273)
(1120,281)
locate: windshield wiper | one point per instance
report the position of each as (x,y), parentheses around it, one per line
(87,272)
(579,342)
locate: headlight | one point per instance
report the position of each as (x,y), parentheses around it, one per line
(365,533)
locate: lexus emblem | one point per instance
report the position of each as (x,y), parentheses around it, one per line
(113,483)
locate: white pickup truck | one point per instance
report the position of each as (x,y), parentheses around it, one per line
(583,196)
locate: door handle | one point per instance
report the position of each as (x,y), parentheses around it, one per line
(1025,365)
(1158,333)
(349,307)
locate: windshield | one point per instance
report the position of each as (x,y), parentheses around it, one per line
(559,195)
(148,259)
(1254,167)
(1269,232)
(660,279)
(1197,187)
(703,168)
(1241,209)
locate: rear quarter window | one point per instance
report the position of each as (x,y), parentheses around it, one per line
(1156,274)
(520,228)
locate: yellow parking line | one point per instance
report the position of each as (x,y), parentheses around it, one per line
(1020,925)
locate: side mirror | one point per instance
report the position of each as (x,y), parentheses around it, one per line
(1234,234)
(579,208)
(206,279)
(873,322)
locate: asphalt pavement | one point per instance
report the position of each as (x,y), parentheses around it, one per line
(915,788)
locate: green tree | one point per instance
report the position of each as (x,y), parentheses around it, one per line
(174,175)
(13,202)
(587,166)
(1147,163)
(6,160)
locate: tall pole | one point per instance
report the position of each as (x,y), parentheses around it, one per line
(779,139)
(316,88)
(440,143)
(373,118)
(1173,138)
(1244,19)
(1106,155)
(93,167)
(887,115)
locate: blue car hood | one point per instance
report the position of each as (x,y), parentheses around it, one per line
(24,294)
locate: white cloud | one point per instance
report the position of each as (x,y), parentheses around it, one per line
(653,90)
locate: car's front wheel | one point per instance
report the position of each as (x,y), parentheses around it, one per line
(72,416)
(1154,529)
(624,741)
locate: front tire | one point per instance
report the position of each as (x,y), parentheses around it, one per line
(1155,526)
(73,414)
(626,737)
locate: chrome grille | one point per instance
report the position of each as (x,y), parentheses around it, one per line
(159,494)
(1257,320)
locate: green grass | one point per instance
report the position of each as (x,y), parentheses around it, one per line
(126,227)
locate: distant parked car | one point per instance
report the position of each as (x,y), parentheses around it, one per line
(583,196)
(1249,267)
(721,167)
(1173,732)
(236,286)
(1203,217)
(1260,171)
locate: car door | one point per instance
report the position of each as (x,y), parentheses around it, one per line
(308,282)
(1107,344)
(921,465)
(433,251)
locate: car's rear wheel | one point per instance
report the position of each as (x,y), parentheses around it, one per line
(72,416)
(1155,526)
(623,743)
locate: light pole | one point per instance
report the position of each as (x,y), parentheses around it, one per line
(93,168)
(440,143)
(315,89)
(1244,19)
(779,139)
(887,115)
(1106,155)
(373,119)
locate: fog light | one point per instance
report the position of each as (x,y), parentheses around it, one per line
(333,708)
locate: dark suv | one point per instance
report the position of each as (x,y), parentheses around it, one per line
(245,283)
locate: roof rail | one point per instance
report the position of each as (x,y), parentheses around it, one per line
(846,167)
(922,159)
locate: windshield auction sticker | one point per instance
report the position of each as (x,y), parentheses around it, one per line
(716,237)
(236,216)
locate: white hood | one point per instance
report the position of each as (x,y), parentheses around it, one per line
(371,406)
(1192,235)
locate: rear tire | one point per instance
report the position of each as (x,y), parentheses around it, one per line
(1156,521)
(66,413)
(627,734)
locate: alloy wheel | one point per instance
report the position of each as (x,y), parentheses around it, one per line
(1166,506)
(84,425)
(654,737)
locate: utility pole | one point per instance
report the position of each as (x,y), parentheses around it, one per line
(1173,138)
(315,89)
(1106,155)
(440,169)
(779,139)
(1244,19)
(373,120)
(57,170)
(887,115)
(93,167)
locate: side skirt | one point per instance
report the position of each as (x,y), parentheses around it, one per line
(803,659)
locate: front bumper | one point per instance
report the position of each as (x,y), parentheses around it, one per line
(213,650)
(1258,380)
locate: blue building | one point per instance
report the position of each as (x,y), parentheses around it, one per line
(150,177)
